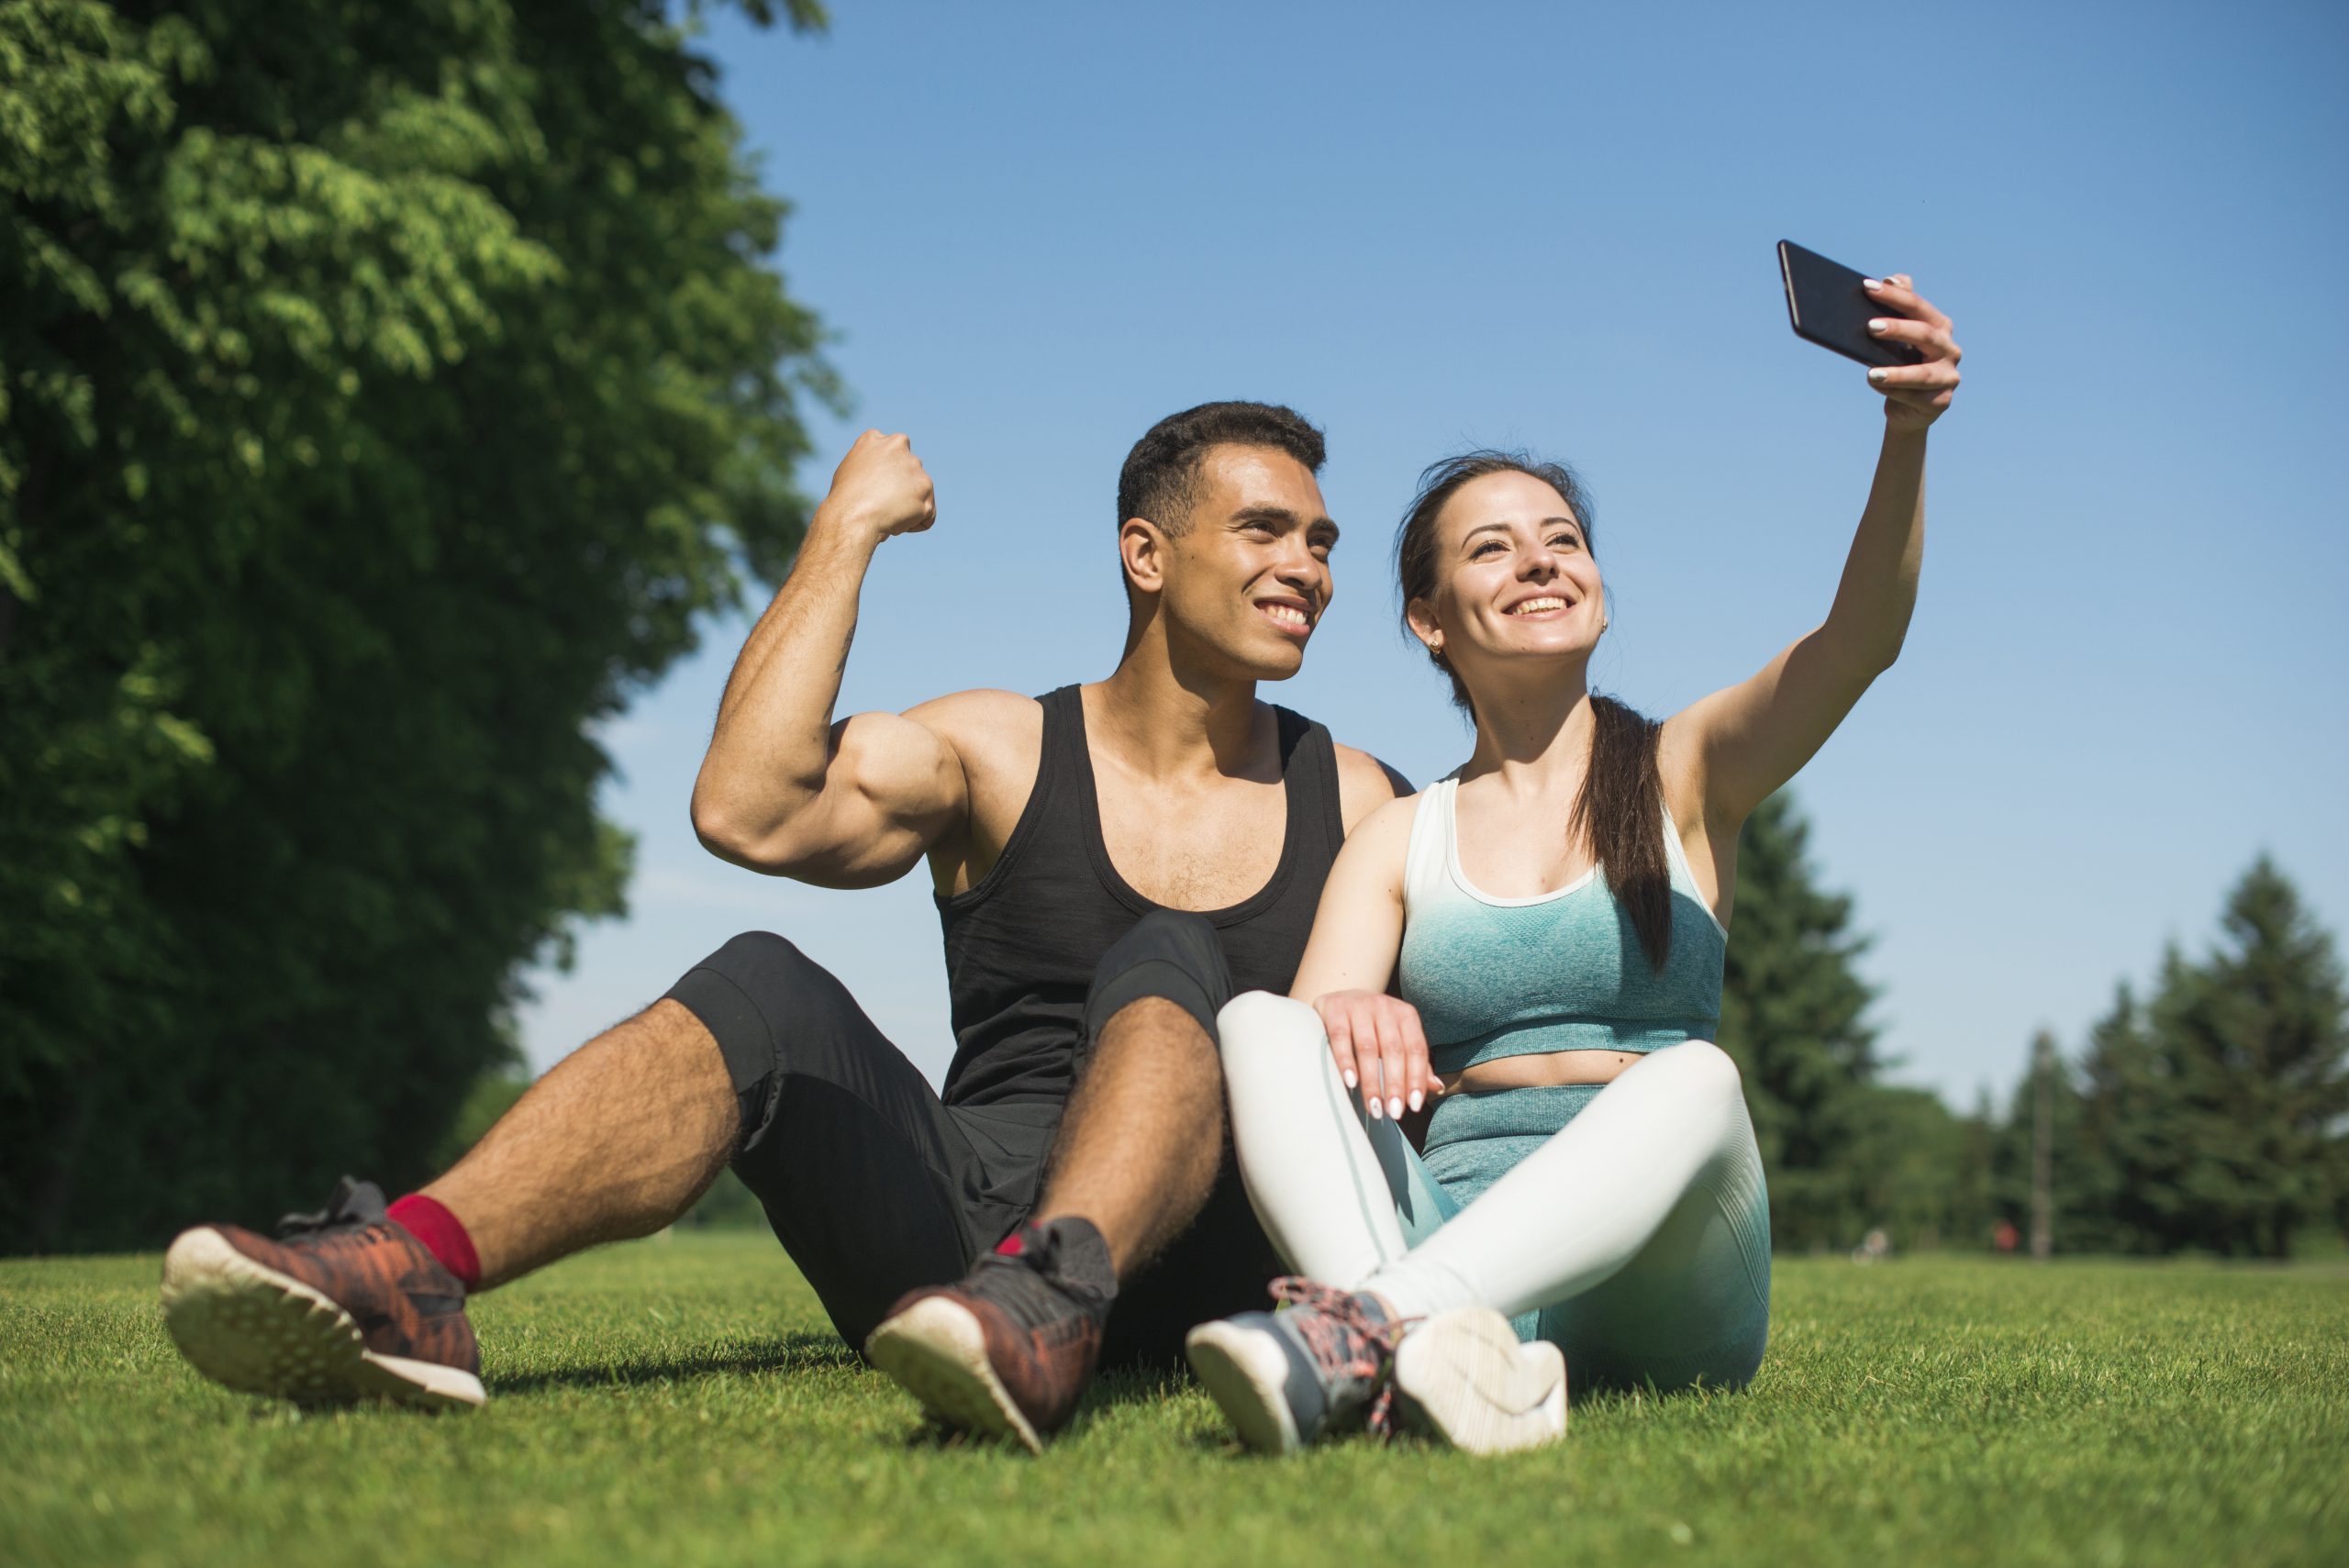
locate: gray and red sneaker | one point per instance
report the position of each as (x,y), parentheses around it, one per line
(1008,1350)
(347,1306)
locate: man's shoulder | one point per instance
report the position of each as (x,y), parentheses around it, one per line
(988,728)
(1365,784)
(980,706)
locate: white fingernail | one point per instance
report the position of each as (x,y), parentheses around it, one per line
(1416,1099)
(1877,374)
(1349,1076)
(1870,285)
(1373,1107)
(1394,1106)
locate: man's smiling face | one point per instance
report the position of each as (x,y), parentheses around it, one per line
(1249,576)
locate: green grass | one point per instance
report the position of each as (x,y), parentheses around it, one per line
(683,1401)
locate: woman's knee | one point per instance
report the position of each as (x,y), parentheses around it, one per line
(1258,1025)
(1701,1067)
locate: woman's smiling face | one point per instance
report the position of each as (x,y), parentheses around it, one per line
(1514,577)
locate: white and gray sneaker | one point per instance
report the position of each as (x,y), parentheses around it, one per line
(1314,1368)
(1330,1361)
(1462,1378)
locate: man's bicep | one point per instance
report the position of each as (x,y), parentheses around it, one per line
(893,786)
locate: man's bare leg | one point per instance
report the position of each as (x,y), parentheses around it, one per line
(1138,1148)
(616,1141)
(1009,1350)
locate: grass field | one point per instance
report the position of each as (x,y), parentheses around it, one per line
(681,1400)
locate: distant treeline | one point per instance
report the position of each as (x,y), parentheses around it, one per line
(2212,1115)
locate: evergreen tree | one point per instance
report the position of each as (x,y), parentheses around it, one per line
(2078,1184)
(2216,1111)
(1794,1016)
(2256,1033)
(385,392)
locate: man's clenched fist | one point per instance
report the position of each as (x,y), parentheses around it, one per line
(879,489)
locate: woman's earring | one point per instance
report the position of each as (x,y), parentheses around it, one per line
(1603,624)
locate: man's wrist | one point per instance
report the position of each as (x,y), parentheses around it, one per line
(840,528)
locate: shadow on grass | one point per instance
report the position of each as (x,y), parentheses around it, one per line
(804,1352)
(1110,1390)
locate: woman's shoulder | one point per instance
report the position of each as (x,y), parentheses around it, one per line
(1387,827)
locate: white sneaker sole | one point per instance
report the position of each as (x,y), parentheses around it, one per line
(259,1331)
(1463,1377)
(1246,1374)
(936,1351)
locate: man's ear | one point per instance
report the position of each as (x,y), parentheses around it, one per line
(1142,546)
(1421,616)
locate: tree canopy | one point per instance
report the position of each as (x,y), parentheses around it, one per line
(385,392)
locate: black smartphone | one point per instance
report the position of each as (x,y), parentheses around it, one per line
(1827,306)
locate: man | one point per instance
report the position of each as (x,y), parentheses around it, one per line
(1112,863)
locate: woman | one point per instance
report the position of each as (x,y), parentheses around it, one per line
(1589,1166)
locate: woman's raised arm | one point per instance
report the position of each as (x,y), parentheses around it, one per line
(1743,741)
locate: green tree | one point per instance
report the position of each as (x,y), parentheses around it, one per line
(1918,1171)
(2215,1111)
(384,393)
(2080,1182)
(1794,1016)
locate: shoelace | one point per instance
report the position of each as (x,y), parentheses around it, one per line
(1345,1341)
(353,1205)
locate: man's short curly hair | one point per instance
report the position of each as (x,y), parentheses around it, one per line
(1161,479)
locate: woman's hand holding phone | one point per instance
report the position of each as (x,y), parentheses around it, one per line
(1914,396)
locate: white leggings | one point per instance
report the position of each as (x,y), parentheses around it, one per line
(1627,1224)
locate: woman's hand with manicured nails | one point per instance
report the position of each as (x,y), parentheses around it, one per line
(1376,1041)
(1915,394)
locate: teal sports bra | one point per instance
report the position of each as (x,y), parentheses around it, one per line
(1563,971)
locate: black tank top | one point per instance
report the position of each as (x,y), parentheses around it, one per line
(1021,945)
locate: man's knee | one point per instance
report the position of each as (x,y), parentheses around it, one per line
(751,957)
(1170,955)
(743,994)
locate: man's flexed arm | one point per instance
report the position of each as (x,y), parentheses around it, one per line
(783,788)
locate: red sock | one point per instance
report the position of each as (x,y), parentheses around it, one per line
(443,1235)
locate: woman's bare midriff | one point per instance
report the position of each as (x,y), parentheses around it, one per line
(1545,1070)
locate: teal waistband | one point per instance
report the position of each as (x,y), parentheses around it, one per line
(1637,1035)
(1507,1113)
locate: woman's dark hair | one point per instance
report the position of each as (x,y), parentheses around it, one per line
(1619,811)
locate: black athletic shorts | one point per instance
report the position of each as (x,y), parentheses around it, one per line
(875,1186)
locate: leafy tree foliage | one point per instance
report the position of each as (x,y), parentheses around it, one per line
(384,391)
(1917,1171)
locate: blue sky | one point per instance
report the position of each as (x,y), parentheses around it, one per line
(1038,227)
